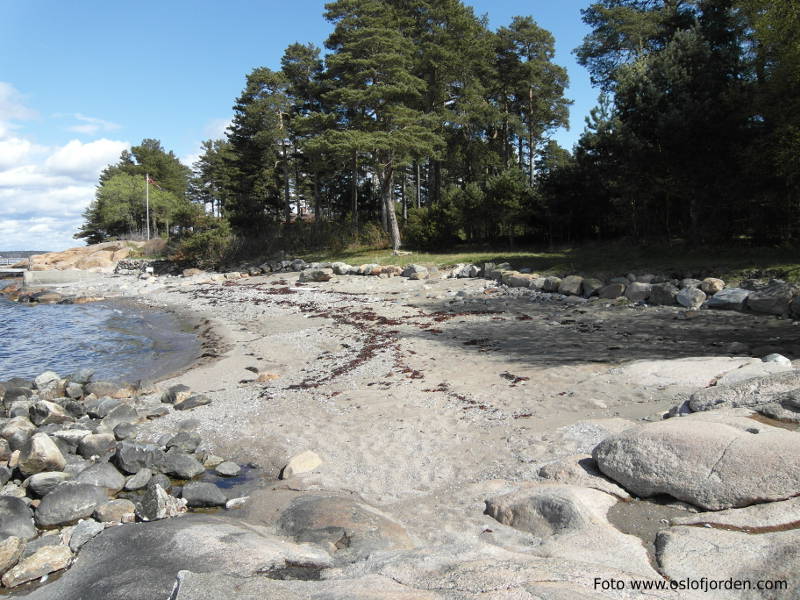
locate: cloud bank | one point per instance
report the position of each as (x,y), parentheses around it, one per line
(45,189)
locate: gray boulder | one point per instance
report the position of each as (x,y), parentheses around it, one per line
(711,461)
(103,475)
(130,562)
(612,291)
(185,441)
(663,294)
(227,469)
(83,532)
(730,299)
(102,445)
(45,412)
(192,402)
(176,393)
(774,299)
(68,503)
(590,287)
(157,504)
(751,393)
(41,484)
(139,480)
(130,457)
(16,519)
(691,297)
(121,414)
(315,275)
(551,284)
(341,268)
(571,285)
(638,291)
(201,494)
(180,465)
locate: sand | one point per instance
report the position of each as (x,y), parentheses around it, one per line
(413,390)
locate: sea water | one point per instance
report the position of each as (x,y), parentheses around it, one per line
(120,342)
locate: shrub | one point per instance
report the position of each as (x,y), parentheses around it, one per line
(207,244)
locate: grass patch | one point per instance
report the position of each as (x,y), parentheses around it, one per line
(602,260)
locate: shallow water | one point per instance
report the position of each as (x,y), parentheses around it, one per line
(120,342)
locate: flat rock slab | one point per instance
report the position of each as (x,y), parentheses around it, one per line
(759,518)
(746,394)
(697,552)
(141,561)
(571,523)
(691,372)
(712,461)
(207,586)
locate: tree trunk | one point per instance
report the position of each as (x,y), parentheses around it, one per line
(355,191)
(287,207)
(403,197)
(384,215)
(388,202)
(419,184)
(317,201)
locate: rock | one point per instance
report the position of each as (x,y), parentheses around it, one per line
(115,511)
(301,463)
(612,291)
(74,390)
(191,272)
(185,441)
(638,291)
(130,563)
(414,269)
(227,469)
(712,285)
(774,299)
(212,460)
(180,465)
(109,388)
(130,457)
(41,484)
(47,560)
(779,359)
(71,436)
(17,431)
(316,275)
(751,393)
(124,431)
(157,504)
(121,414)
(82,376)
(571,285)
(571,523)
(5,474)
(755,369)
(162,480)
(102,445)
(591,287)
(730,299)
(340,268)
(200,494)
(751,519)
(690,297)
(74,408)
(69,502)
(728,556)
(39,454)
(713,462)
(45,380)
(516,279)
(176,393)
(581,470)
(83,532)
(663,294)
(100,407)
(45,412)
(16,519)
(103,475)
(551,284)
(192,402)
(140,480)
(10,552)
(234,503)
(352,530)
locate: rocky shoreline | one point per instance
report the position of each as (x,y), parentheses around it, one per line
(449,438)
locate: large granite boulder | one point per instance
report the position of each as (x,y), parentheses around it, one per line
(711,461)
(16,519)
(40,453)
(751,393)
(69,502)
(774,299)
(729,299)
(141,561)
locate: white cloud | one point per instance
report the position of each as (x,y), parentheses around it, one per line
(91,125)
(16,151)
(12,107)
(84,161)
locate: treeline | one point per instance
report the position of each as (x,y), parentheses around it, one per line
(422,124)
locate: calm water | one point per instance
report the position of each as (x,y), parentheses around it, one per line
(121,343)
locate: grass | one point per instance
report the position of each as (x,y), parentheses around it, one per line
(602,260)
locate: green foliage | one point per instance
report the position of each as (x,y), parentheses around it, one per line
(208,243)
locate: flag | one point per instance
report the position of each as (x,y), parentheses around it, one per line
(152,182)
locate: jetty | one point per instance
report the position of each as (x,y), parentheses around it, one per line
(5,267)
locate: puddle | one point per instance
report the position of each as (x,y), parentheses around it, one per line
(775,422)
(645,518)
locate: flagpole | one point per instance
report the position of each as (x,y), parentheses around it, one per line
(147,202)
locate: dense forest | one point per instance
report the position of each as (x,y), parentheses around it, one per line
(419,125)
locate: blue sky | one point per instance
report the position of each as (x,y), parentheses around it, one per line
(80,81)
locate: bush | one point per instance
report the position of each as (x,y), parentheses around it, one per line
(207,244)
